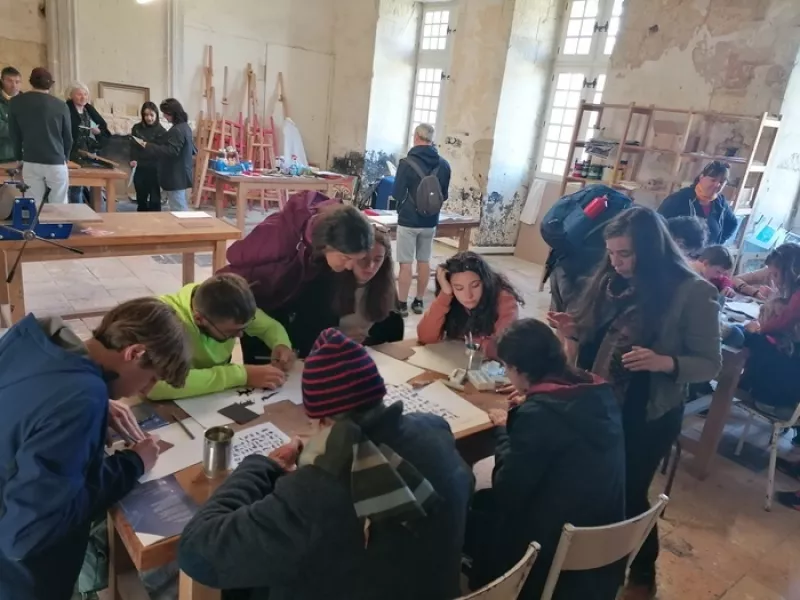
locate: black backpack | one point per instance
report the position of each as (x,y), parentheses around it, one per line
(428,199)
(576,241)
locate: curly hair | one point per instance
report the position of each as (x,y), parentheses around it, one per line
(481,320)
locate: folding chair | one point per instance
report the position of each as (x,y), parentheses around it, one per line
(508,586)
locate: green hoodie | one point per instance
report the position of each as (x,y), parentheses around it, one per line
(212,370)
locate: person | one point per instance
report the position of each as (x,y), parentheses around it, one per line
(471,298)
(689,233)
(145,178)
(559,458)
(215,313)
(173,153)
(89,130)
(415,230)
(372,506)
(714,264)
(41,132)
(760,283)
(10,83)
(649,325)
(57,476)
(704,199)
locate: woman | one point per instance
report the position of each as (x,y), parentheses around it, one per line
(89,130)
(649,325)
(145,179)
(471,298)
(704,199)
(559,459)
(173,153)
(761,283)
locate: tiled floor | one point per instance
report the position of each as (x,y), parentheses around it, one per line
(717,542)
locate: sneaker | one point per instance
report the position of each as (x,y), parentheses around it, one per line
(417,306)
(790,468)
(789,499)
(402,308)
(638,591)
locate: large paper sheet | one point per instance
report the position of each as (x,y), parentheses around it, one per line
(438,399)
(158,509)
(184,453)
(261,439)
(751,309)
(444,357)
(393,371)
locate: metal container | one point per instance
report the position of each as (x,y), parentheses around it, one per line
(217,448)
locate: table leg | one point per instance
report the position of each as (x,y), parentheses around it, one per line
(16,290)
(111,196)
(96,194)
(218,259)
(188,267)
(5,309)
(241,206)
(188,589)
(119,562)
(463,239)
(219,198)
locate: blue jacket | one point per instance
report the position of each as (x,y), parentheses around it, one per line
(684,203)
(406,181)
(54,474)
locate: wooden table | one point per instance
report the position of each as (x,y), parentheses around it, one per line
(120,234)
(95,179)
(450,226)
(127,551)
(244,184)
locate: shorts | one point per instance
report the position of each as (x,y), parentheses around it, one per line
(414,241)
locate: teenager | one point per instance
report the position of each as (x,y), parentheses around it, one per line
(10,84)
(649,325)
(714,264)
(559,458)
(57,476)
(761,282)
(689,233)
(173,153)
(471,297)
(145,179)
(704,199)
(373,506)
(215,314)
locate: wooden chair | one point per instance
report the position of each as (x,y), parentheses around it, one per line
(508,586)
(585,548)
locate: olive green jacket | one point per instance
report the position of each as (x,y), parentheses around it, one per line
(6,146)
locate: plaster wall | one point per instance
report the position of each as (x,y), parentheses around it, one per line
(22,36)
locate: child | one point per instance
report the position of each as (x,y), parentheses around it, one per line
(470,298)
(559,459)
(715,264)
(690,233)
(145,179)
(215,313)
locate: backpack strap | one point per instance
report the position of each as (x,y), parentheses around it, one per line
(417,167)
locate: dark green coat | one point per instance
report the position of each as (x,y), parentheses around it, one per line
(6,146)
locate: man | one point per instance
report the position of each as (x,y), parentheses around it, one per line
(54,398)
(10,82)
(41,133)
(215,313)
(415,229)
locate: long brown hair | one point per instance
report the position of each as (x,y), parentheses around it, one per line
(786,259)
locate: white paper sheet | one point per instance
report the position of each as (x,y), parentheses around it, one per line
(261,439)
(751,309)
(443,357)
(393,371)
(438,399)
(530,212)
(184,453)
(383,219)
(191,214)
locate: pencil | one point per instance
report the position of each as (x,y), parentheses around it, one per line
(186,429)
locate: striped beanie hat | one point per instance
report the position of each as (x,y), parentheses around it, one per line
(338,376)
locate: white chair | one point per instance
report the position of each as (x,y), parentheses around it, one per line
(779,426)
(585,548)
(508,586)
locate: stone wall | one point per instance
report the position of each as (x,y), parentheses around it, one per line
(22,36)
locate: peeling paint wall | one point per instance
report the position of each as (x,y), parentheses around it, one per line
(23,36)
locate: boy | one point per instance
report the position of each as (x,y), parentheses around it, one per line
(690,233)
(215,313)
(715,264)
(54,398)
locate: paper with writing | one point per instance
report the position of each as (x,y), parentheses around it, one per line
(261,439)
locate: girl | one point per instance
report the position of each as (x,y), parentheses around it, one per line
(559,459)
(145,180)
(649,325)
(470,298)
(172,152)
(761,283)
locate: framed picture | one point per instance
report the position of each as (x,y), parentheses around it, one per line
(124,99)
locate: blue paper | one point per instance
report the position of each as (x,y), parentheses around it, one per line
(159,507)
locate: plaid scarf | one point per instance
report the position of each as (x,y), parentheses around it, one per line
(383,486)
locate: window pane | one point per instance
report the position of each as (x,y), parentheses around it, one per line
(591,8)
(563,151)
(559,166)
(547,165)
(557,116)
(566,134)
(429,17)
(437,17)
(574,28)
(437,75)
(573,99)
(569,116)
(427,31)
(426,102)
(598,98)
(560,99)
(426,43)
(584,45)
(591,119)
(550,149)
(442,43)
(445,16)
(587,28)
(576,81)
(563,81)
(434,104)
(418,116)
(435,89)
(443,30)
(419,102)
(420,88)
(613,26)
(601,82)
(617,10)
(553,132)
(426,88)
(571,46)
(609,47)
(577,8)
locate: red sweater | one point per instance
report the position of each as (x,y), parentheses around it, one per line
(788,317)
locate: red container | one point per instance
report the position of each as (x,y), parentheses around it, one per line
(596,207)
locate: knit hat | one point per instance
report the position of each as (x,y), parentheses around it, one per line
(338,376)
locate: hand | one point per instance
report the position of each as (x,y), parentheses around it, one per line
(729,292)
(286,456)
(283,357)
(498,417)
(644,359)
(564,323)
(444,285)
(122,420)
(133,164)
(95,130)
(753,327)
(764,292)
(514,396)
(148,451)
(264,376)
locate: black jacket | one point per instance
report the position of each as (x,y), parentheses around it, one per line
(406,181)
(296,536)
(561,459)
(40,128)
(173,151)
(75,120)
(149,133)
(684,203)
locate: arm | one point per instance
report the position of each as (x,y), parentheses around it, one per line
(507,313)
(400,188)
(748,283)
(201,382)
(268,330)
(99,121)
(66,131)
(16,135)
(701,357)
(446,182)
(674,205)
(252,533)
(4,125)
(787,317)
(170,148)
(430,326)
(729,222)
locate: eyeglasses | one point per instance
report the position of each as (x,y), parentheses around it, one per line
(238,332)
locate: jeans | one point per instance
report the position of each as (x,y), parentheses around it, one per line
(176,199)
(38,177)
(77,194)
(148,192)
